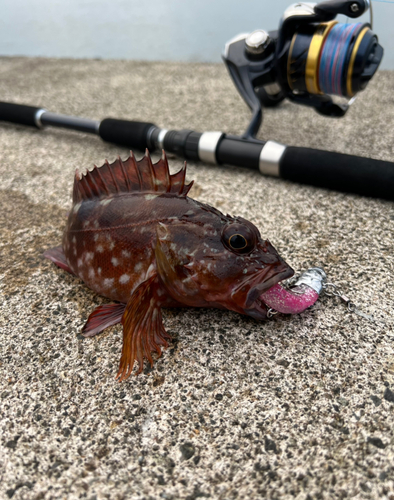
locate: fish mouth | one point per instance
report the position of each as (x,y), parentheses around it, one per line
(250,293)
(258,311)
(259,308)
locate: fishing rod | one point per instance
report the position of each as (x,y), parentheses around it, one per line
(308,59)
(325,169)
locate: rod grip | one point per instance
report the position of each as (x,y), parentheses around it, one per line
(341,172)
(127,133)
(18,113)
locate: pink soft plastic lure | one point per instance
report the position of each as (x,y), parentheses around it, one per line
(296,299)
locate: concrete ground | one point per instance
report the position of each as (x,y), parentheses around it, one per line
(296,407)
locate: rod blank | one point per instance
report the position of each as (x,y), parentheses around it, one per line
(70,122)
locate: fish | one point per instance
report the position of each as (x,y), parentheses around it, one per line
(134,235)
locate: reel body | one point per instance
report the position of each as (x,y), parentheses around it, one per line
(309,59)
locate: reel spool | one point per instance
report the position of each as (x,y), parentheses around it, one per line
(333,58)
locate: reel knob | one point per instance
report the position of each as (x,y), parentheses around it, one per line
(256,42)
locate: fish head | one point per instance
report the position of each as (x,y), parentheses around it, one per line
(224,264)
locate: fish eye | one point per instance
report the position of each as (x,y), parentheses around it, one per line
(237,242)
(239,238)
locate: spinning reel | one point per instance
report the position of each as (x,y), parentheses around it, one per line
(308,59)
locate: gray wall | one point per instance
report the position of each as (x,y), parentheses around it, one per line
(180,30)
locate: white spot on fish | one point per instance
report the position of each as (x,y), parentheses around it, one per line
(100,248)
(126,254)
(114,261)
(108,282)
(77,207)
(105,202)
(149,197)
(96,223)
(74,240)
(99,271)
(190,212)
(92,274)
(79,262)
(111,245)
(89,256)
(151,269)
(245,271)
(138,267)
(162,231)
(96,236)
(125,278)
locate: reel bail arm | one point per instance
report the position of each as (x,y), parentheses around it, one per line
(349,8)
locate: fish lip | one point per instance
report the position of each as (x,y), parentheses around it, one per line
(258,309)
(249,301)
(256,291)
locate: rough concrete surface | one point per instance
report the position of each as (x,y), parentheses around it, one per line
(297,407)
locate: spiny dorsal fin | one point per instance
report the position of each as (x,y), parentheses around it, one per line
(130,176)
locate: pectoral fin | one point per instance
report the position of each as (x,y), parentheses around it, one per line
(103,317)
(57,256)
(143,330)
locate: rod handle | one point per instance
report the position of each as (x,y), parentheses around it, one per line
(341,172)
(19,113)
(132,134)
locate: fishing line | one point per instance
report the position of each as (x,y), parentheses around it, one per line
(334,56)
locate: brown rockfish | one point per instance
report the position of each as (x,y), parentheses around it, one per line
(134,236)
